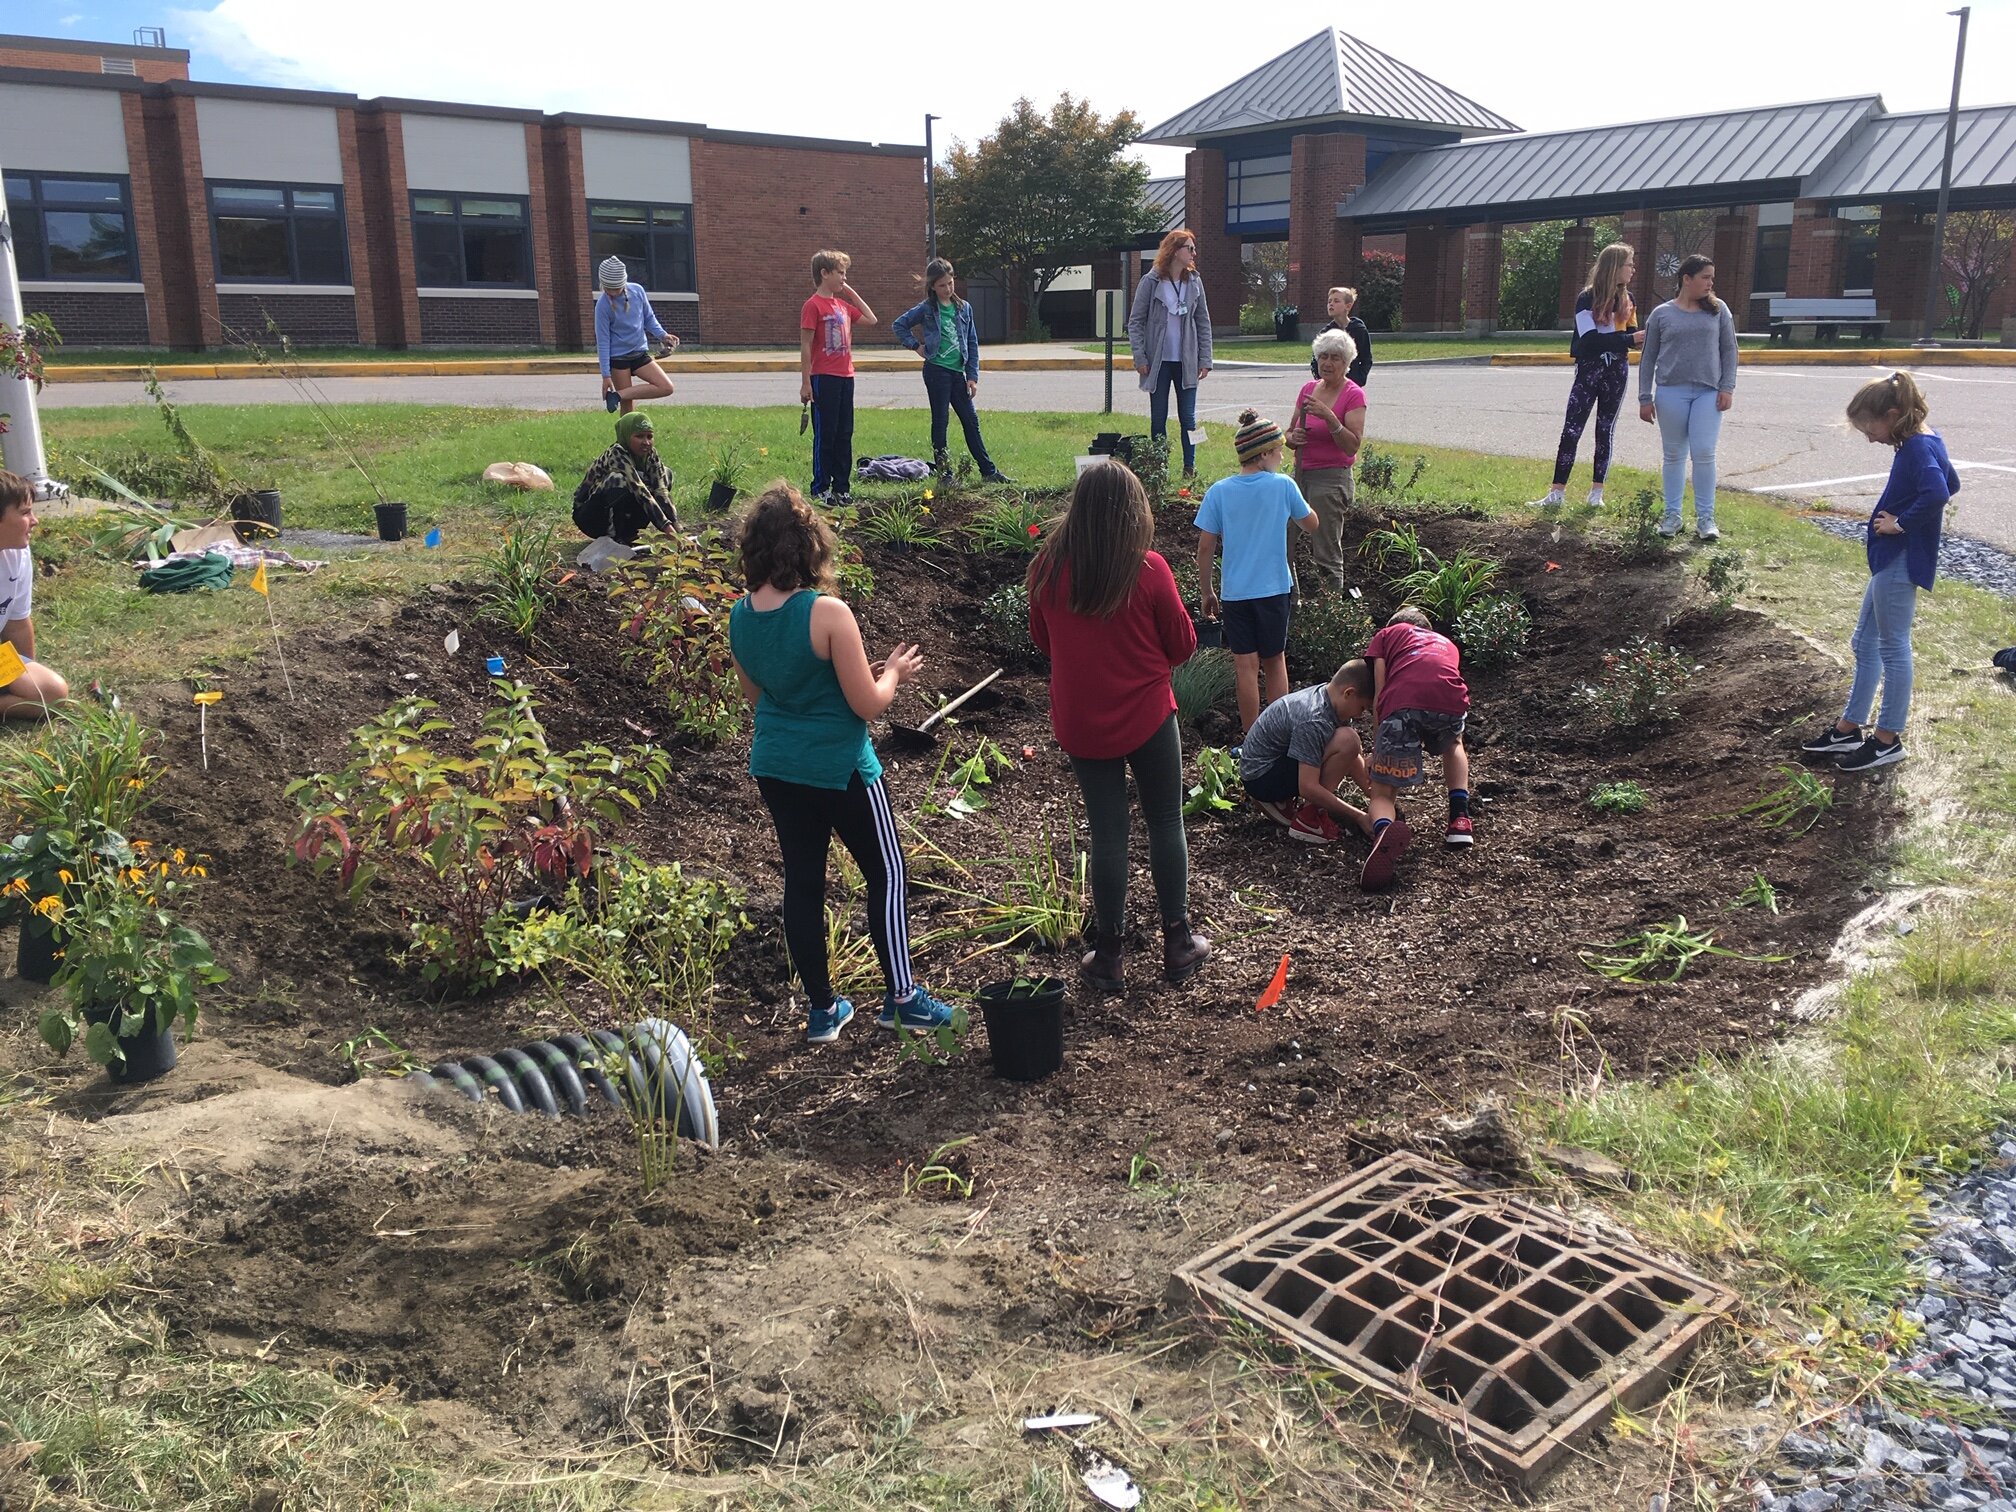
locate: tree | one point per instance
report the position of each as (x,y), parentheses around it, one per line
(1529,280)
(1380,278)
(1976,264)
(1044,193)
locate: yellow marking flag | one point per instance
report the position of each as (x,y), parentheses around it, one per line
(11,665)
(259,578)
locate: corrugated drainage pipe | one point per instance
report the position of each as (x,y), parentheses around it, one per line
(653,1064)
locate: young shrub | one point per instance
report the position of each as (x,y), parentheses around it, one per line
(1723,575)
(1625,797)
(1203,683)
(1379,476)
(459,837)
(522,583)
(1326,632)
(1012,526)
(1639,687)
(677,622)
(1444,589)
(1149,459)
(1004,618)
(1493,632)
(1638,520)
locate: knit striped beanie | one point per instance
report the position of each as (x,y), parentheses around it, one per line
(613,273)
(1255,436)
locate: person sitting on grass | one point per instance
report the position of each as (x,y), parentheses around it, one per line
(623,319)
(31,691)
(627,487)
(1302,748)
(1250,513)
(1421,702)
(799,655)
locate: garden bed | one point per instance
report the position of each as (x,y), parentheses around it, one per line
(506,1264)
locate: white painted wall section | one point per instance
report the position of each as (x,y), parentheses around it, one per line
(268,142)
(52,130)
(637,167)
(455,152)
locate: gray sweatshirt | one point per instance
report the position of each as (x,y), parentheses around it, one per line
(1148,330)
(1688,346)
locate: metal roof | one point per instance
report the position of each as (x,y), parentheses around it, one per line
(1166,197)
(1642,161)
(1331,75)
(1900,154)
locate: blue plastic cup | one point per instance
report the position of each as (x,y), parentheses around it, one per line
(496,666)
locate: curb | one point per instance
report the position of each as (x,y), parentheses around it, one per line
(1810,357)
(523,367)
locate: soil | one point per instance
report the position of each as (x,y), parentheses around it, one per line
(507,1265)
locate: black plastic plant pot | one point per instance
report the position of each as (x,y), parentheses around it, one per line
(720,496)
(1210,632)
(261,508)
(391,521)
(35,955)
(143,1056)
(1025,1028)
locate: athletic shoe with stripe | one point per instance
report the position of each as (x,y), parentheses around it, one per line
(1313,827)
(1871,754)
(1832,741)
(1460,832)
(1387,848)
(1282,814)
(918,1011)
(822,1025)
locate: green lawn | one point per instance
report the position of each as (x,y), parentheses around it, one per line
(1399,348)
(159,357)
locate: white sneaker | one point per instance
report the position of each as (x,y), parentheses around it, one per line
(1554,500)
(1595,498)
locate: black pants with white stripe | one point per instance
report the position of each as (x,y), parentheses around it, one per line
(807,818)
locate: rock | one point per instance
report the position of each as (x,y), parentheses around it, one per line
(1801,1450)
(1815,1500)
(1589,1168)
(1485,1141)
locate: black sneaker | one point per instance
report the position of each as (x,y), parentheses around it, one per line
(1871,754)
(1832,741)
(996,476)
(2005,660)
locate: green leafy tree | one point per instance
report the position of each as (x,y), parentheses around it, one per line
(1976,265)
(1381,276)
(1043,193)
(1529,283)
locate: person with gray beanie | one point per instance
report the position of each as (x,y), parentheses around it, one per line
(623,320)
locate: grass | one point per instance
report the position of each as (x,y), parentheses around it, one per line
(1798,1172)
(71,356)
(1386,347)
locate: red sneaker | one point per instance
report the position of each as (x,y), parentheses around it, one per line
(1281,813)
(1387,848)
(1459,831)
(1312,826)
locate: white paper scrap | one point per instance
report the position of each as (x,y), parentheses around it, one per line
(1059,1420)
(1112,1485)
(452,642)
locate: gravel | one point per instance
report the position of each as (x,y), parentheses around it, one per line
(1874,1458)
(1961,558)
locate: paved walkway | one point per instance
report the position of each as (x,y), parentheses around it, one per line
(1786,434)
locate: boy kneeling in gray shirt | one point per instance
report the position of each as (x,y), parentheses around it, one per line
(1302,748)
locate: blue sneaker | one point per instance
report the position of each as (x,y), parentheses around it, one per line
(919,1011)
(612,401)
(822,1025)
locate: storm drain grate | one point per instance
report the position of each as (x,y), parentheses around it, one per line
(1508,1331)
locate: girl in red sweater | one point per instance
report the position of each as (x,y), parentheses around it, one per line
(1105,609)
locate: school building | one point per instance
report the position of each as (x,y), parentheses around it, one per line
(150,209)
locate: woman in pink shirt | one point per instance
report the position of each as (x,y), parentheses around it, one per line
(1106,611)
(1325,434)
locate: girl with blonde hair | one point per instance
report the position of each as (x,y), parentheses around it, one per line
(1606,330)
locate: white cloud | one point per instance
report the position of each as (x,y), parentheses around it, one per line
(870,72)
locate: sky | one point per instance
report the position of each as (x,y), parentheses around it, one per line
(870,72)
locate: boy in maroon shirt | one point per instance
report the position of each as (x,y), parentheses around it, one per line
(1420,701)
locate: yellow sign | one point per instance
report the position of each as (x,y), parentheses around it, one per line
(259,578)
(207,699)
(11,665)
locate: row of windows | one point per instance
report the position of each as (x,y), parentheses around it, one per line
(1256,192)
(1858,267)
(82,228)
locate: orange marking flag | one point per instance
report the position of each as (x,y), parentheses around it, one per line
(1275,988)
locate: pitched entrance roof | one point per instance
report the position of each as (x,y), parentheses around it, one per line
(1706,159)
(1331,76)
(1899,155)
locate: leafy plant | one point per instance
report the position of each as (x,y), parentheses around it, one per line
(1004,616)
(1033,895)
(1142,1171)
(1492,631)
(373,1052)
(901,522)
(206,478)
(1379,475)
(24,350)
(1639,686)
(1638,519)
(1444,589)
(1724,574)
(1625,797)
(89,769)
(1217,780)
(730,465)
(1759,894)
(461,837)
(1326,632)
(676,607)
(954,791)
(1658,954)
(1148,460)
(941,1171)
(1395,548)
(522,584)
(1801,793)
(1203,683)
(139,528)
(128,967)
(1009,526)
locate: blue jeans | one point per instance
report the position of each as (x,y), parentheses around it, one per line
(832,434)
(1170,377)
(1882,643)
(946,391)
(1689,426)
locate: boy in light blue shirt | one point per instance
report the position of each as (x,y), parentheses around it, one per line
(1250,513)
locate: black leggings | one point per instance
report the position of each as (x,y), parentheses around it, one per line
(807,818)
(1158,775)
(1599,385)
(615,510)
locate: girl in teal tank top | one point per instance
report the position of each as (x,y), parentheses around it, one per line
(799,654)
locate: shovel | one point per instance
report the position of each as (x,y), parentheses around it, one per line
(920,734)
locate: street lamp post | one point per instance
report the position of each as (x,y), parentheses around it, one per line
(1935,291)
(930,193)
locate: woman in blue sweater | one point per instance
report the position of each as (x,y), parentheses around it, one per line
(1903,557)
(623,320)
(940,330)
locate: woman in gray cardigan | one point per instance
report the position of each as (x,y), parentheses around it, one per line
(1169,330)
(1690,348)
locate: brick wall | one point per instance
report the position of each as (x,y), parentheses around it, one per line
(761,211)
(539,230)
(1903,269)
(1735,254)
(87,319)
(1483,263)
(307,319)
(1322,251)
(188,281)
(1218,254)
(1639,230)
(572,292)
(682,316)
(152,70)
(386,213)
(356,229)
(1819,252)
(1578,256)
(480,322)
(146,231)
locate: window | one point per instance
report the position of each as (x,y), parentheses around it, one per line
(1858,266)
(472,241)
(654,241)
(1256,192)
(275,233)
(1774,258)
(71,227)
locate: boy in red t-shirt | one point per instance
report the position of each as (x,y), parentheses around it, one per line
(1420,701)
(826,372)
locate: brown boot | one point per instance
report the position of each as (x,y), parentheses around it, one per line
(1183,952)
(1102,966)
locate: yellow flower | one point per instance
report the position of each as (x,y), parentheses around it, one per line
(197,871)
(50,907)
(63,875)
(135,782)
(141,845)
(18,885)
(162,868)
(180,855)
(762,451)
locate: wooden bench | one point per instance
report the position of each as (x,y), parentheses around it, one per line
(1826,317)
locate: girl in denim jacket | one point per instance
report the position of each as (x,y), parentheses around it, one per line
(940,330)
